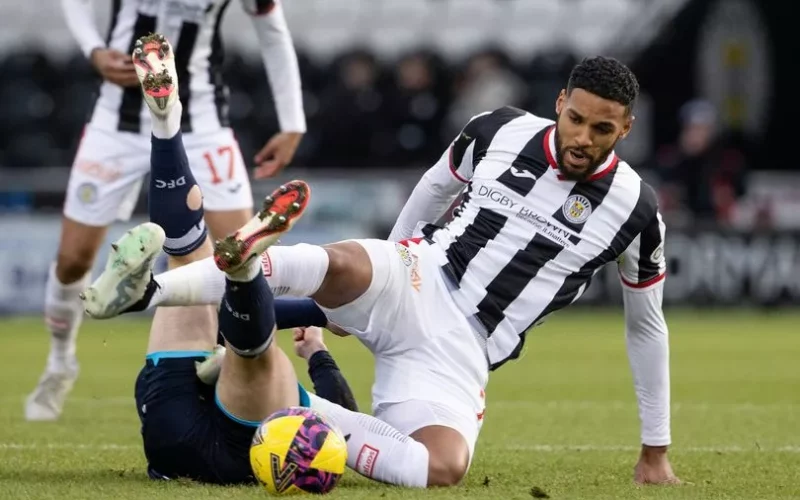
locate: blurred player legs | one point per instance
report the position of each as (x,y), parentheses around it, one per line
(104,185)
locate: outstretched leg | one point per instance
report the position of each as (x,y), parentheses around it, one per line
(176,210)
(256,377)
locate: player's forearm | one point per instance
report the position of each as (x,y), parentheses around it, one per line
(432,196)
(329,383)
(283,71)
(647,340)
(79,16)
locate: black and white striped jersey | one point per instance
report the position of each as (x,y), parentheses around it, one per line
(193,28)
(526,242)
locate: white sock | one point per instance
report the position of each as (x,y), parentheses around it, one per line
(197,283)
(248,272)
(168,127)
(375,449)
(296,270)
(63,312)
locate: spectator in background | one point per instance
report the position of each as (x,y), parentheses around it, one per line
(351,122)
(700,173)
(416,107)
(488,82)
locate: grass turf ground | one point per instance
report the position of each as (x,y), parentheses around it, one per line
(561,420)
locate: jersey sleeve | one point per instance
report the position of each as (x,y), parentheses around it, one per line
(440,185)
(647,342)
(79,16)
(280,61)
(643,263)
(461,153)
(258,7)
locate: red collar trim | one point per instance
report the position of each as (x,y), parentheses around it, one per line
(550,147)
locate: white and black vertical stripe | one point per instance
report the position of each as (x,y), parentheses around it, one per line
(116,6)
(130,106)
(526,241)
(622,239)
(483,129)
(199,58)
(485,227)
(529,165)
(506,287)
(525,265)
(480,131)
(594,191)
(651,238)
(183,55)
(215,75)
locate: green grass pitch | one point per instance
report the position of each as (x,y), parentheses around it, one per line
(562,419)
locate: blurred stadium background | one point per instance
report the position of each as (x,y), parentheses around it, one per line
(387,84)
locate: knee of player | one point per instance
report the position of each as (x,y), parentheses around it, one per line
(340,257)
(447,468)
(349,269)
(448,454)
(74,263)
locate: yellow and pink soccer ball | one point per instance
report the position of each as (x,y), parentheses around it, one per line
(296,450)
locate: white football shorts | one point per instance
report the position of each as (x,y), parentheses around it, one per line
(431,367)
(109,168)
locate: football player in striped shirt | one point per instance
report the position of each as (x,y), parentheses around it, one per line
(545,206)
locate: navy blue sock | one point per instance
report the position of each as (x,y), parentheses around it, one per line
(247,317)
(293,313)
(170,182)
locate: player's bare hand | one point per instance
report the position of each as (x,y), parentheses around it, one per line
(276,154)
(115,67)
(654,467)
(308,341)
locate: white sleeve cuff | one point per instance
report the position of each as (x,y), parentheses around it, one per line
(283,71)
(647,340)
(644,286)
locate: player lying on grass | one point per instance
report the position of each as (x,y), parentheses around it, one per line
(546,206)
(189,428)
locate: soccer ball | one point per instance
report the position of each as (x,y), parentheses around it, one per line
(296,450)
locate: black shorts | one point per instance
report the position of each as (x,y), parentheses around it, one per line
(186,433)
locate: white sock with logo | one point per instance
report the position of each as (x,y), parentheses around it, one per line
(296,270)
(375,449)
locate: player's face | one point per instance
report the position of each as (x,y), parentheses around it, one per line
(587,130)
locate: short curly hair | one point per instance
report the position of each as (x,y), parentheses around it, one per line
(605,77)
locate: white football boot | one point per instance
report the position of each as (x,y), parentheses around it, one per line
(154,61)
(126,276)
(46,402)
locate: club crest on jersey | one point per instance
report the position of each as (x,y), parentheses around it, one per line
(577,209)
(404,254)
